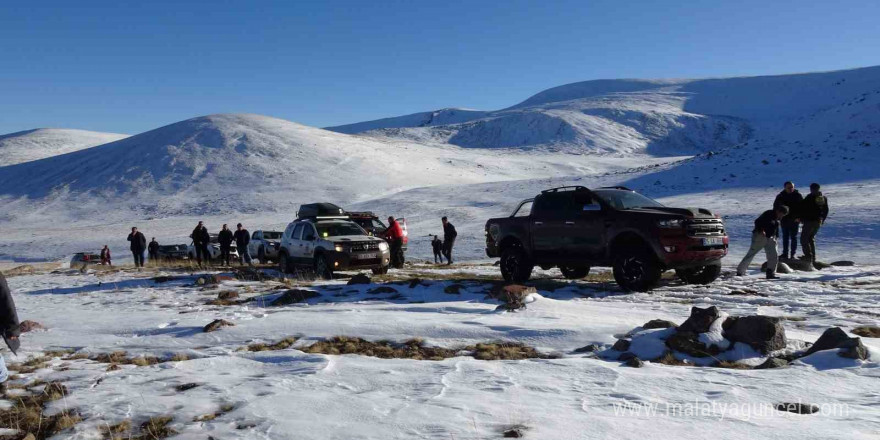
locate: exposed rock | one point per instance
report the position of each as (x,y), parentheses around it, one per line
(587,349)
(293,296)
(252,274)
(621,345)
(821,265)
(658,323)
(687,342)
(453,289)
(217,324)
(162,279)
(781,267)
(854,349)
(832,338)
(625,356)
(868,331)
(634,362)
(512,295)
(359,279)
(227,294)
(801,265)
(206,280)
(28,326)
(772,363)
(514,433)
(797,408)
(382,289)
(700,320)
(763,333)
(844,263)
(747,292)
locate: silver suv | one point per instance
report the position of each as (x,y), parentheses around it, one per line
(330,243)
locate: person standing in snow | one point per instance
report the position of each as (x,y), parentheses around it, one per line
(138,246)
(437,246)
(9,326)
(813,212)
(242,240)
(449,234)
(394,236)
(791,198)
(764,237)
(105,256)
(225,238)
(201,238)
(153,249)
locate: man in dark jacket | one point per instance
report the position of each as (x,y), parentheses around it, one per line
(201,238)
(791,198)
(449,235)
(764,237)
(138,246)
(813,212)
(394,236)
(9,328)
(437,246)
(242,240)
(153,249)
(225,238)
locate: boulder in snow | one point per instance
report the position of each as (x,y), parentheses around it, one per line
(772,363)
(634,362)
(359,279)
(763,333)
(28,326)
(587,349)
(688,343)
(700,320)
(217,324)
(844,263)
(658,323)
(621,345)
(293,296)
(835,337)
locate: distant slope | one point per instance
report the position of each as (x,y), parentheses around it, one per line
(25,146)
(656,117)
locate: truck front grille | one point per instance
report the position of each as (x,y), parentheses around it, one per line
(705,227)
(363,247)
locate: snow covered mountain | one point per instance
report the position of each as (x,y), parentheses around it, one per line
(25,146)
(657,117)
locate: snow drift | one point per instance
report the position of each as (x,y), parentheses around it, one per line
(25,146)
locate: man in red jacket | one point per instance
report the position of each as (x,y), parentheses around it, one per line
(394,236)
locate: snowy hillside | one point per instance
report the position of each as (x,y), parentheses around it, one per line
(25,146)
(658,117)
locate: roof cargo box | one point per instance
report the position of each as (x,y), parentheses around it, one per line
(320,210)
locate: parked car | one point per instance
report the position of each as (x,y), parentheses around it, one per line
(575,228)
(264,245)
(84,258)
(213,249)
(324,239)
(374,225)
(172,252)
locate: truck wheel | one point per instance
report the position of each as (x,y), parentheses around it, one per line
(636,271)
(284,263)
(699,275)
(322,268)
(515,265)
(574,272)
(381,271)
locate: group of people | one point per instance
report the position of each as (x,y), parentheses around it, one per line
(790,211)
(443,248)
(202,241)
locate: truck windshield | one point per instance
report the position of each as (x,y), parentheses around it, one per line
(339,229)
(622,199)
(271,235)
(524,210)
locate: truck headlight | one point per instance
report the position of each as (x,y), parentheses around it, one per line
(383,246)
(339,248)
(670,224)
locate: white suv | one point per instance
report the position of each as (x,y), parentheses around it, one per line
(328,244)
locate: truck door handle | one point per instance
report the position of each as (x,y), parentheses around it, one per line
(569,223)
(539,223)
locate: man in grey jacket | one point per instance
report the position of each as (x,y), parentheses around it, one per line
(8,327)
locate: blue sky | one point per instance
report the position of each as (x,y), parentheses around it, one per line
(111,66)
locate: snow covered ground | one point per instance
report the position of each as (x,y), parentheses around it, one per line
(293,394)
(41,143)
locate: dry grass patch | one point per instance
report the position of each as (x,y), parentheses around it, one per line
(29,366)
(26,415)
(732,365)
(669,359)
(411,349)
(117,431)
(208,417)
(505,351)
(867,331)
(280,345)
(155,428)
(117,358)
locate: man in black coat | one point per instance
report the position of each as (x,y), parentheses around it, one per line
(242,240)
(437,246)
(449,234)
(791,198)
(764,237)
(225,238)
(9,328)
(138,246)
(201,238)
(153,249)
(813,212)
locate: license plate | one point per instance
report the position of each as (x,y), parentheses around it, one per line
(366,256)
(714,241)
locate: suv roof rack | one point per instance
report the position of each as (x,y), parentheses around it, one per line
(565,188)
(617,187)
(361,214)
(314,210)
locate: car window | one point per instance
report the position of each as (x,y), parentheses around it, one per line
(622,199)
(297,232)
(308,233)
(257,235)
(524,209)
(378,224)
(271,235)
(339,229)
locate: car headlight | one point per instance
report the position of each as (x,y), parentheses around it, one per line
(670,224)
(383,246)
(339,248)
